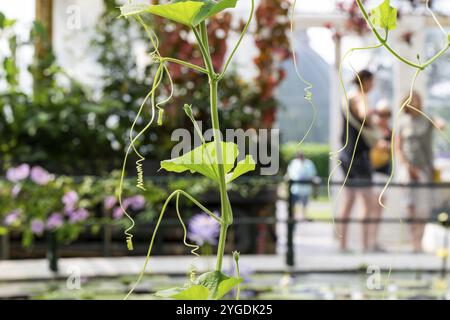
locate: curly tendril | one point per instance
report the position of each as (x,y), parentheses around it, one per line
(176,194)
(308,90)
(162,71)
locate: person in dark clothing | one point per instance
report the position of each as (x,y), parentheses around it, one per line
(358,171)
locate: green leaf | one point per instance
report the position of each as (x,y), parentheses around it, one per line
(384,16)
(203,160)
(5,23)
(187,12)
(3,231)
(211,8)
(218,283)
(195,292)
(226,286)
(244,166)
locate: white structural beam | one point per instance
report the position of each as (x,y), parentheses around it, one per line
(305,21)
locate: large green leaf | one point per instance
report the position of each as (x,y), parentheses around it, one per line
(244,166)
(218,284)
(384,16)
(187,12)
(195,292)
(211,285)
(203,160)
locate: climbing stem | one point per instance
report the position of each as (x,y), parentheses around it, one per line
(227,215)
(221,246)
(186,64)
(226,211)
(384,42)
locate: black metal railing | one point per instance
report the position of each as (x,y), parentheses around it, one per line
(291,222)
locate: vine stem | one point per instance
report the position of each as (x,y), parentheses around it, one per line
(226,211)
(384,42)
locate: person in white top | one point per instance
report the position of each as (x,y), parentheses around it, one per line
(301,169)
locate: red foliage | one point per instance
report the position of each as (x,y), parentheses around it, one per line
(355,21)
(273,43)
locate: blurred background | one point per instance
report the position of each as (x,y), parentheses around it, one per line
(72,78)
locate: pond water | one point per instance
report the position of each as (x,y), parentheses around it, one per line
(354,286)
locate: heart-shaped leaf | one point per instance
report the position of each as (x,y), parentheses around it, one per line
(203,160)
(187,12)
(244,166)
(218,284)
(195,292)
(211,285)
(384,16)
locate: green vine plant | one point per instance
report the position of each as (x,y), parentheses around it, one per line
(384,17)
(215,160)
(381,20)
(308,89)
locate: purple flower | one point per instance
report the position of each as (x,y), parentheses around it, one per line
(18,173)
(55,221)
(37,226)
(78,215)
(12,219)
(203,229)
(109,202)
(117,213)
(16,190)
(70,200)
(136,203)
(40,176)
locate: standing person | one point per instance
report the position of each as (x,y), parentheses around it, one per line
(359,170)
(380,157)
(414,146)
(301,169)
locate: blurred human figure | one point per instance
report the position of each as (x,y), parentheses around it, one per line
(380,154)
(414,146)
(355,160)
(380,158)
(301,169)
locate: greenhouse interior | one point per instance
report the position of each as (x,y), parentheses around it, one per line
(244,150)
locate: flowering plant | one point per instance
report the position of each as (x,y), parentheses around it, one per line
(34,201)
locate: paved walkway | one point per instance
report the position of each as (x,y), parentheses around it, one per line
(113,267)
(315,250)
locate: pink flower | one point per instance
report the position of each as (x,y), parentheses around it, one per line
(78,215)
(117,213)
(202,229)
(136,203)
(18,173)
(55,221)
(70,200)
(16,190)
(109,202)
(37,226)
(40,176)
(13,218)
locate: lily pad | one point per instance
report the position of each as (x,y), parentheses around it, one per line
(187,12)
